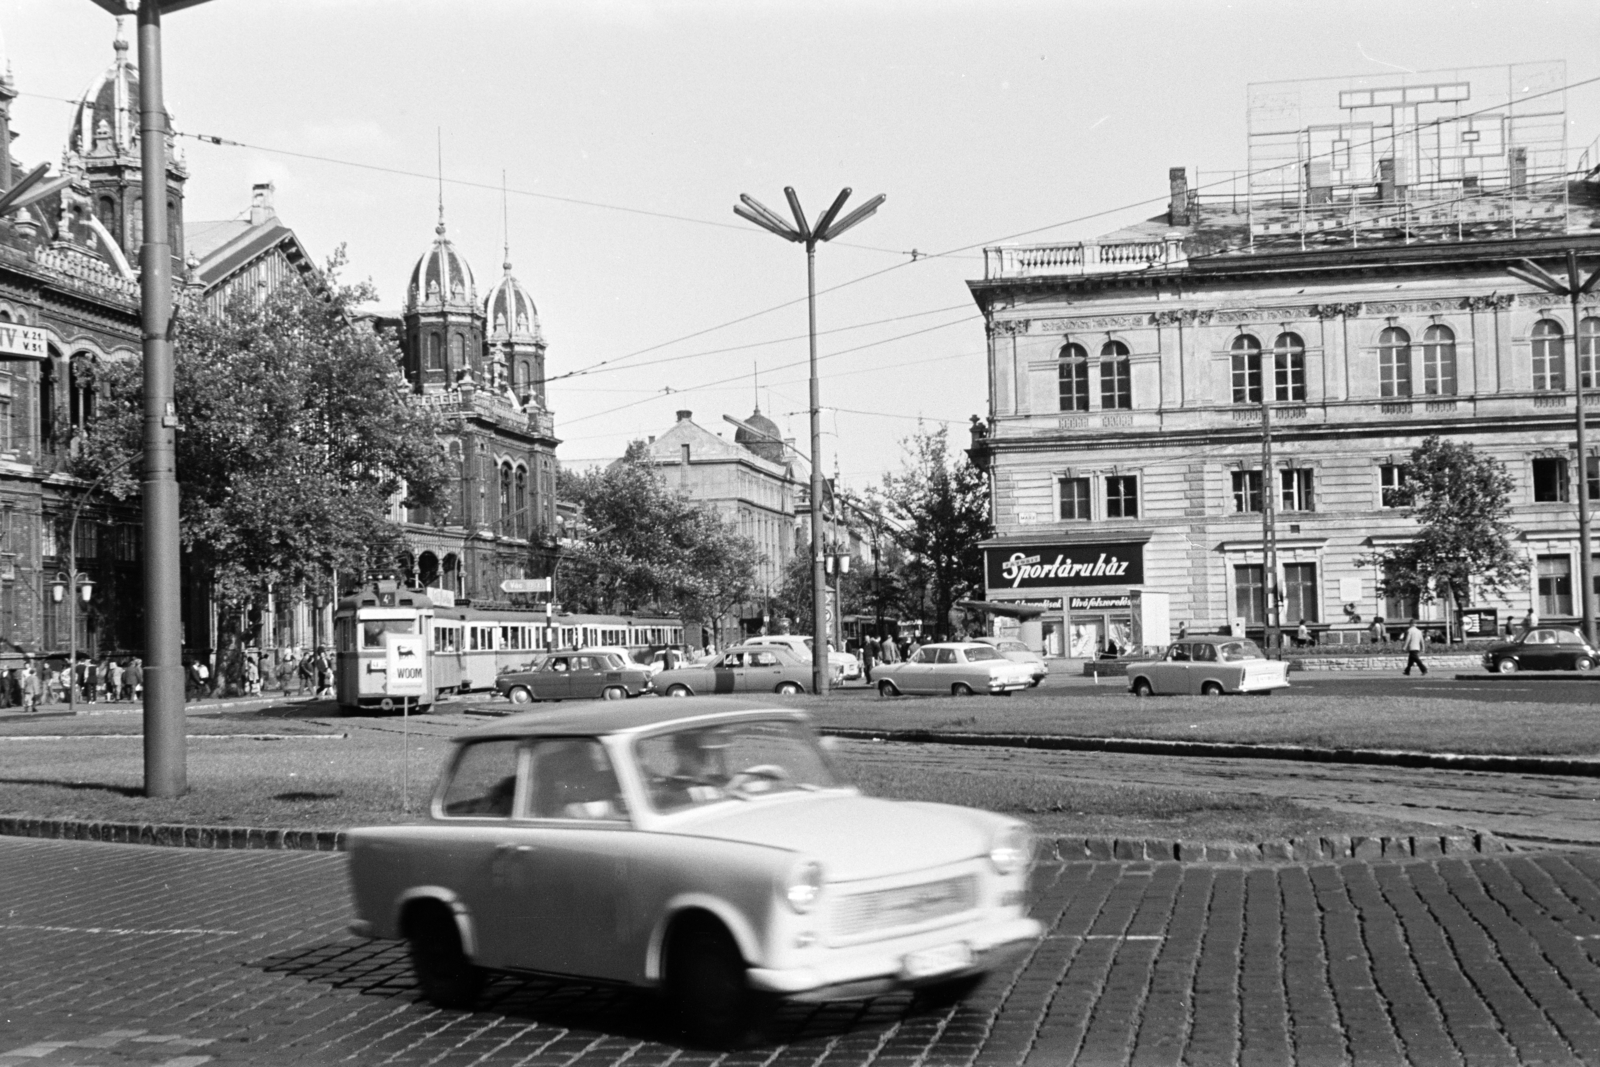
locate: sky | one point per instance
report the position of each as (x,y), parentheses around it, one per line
(625,132)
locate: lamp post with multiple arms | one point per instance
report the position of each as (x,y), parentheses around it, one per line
(827,227)
(165,759)
(1573,287)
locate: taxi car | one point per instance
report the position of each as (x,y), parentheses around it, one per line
(1543,648)
(1017,652)
(748,668)
(581,675)
(960,668)
(704,848)
(1209,666)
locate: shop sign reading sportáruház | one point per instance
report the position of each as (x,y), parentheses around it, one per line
(1049,566)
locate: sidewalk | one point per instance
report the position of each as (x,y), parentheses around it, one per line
(56,711)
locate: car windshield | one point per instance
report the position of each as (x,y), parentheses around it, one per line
(979,653)
(741,760)
(1237,650)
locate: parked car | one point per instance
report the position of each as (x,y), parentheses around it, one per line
(1017,652)
(846,667)
(580,675)
(704,848)
(957,667)
(741,669)
(1209,666)
(1544,648)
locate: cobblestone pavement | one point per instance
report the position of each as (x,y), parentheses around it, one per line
(123,955)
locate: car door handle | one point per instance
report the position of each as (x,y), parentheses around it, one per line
(506,847)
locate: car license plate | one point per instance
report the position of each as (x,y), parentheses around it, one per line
(932,961)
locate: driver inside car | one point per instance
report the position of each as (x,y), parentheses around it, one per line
(696,775)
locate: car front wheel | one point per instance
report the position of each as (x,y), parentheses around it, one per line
(445,976)
(1506,666)
(677,690)
(1141,687)
(520,694)
(614,692)
(708,988)
(1211,689)
(886,689)
(1583,663)
(789,689)
(961,689)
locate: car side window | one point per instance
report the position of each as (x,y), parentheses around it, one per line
(732,659)
(1205,653)
(763,659)
(571,778)
(1545,637)
(1179,653)
(1567,637)
(922,655)
(483,782)
(558,664)
(946,655)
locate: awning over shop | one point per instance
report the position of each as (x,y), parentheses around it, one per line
(998,607)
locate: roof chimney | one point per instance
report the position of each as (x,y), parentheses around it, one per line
(683,416)
(1178,206)
(261,209)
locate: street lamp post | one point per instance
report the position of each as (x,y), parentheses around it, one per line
(827,227)
(72,585)
(1574,286)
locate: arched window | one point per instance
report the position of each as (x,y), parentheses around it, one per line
(505,495)
(80,391)
(1246,370)
(106,208)
(47,403)
(521,502)
(435,352)
(519,375)
(1116,380)
(458,349)
(1289,367)
(1074,375)
(1589,351)
(1394,362)
(1439,361)
(1548,370)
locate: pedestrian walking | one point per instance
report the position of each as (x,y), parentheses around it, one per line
(1302,634)
(1380,635)
(30,687)
(56,681)
(1413,649)
(91,681)
(252,673)
(1530,621)
(114,680)
(133,678)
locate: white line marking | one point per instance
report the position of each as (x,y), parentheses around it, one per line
(121,930)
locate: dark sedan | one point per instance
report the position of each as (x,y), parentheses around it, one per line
(576,676)
(1545,648)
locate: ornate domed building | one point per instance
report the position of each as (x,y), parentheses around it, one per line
(481,364)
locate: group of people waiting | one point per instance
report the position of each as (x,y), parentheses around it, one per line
(871,650)
(251,671)
(108,679)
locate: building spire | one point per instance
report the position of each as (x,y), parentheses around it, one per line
(505,223)
(438,139)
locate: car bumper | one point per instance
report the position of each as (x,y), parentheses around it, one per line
(880,967)
(1010,685)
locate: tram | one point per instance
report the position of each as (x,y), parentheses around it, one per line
(365,626)
(471,646)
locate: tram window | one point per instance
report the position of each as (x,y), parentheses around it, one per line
(372,630)
(446,639)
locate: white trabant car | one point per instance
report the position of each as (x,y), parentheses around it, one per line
(959,668)
(705,847)
(1209,666)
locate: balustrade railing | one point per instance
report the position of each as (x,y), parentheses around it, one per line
(1083,257)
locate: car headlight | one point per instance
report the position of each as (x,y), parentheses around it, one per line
(1011,849)
(805,886)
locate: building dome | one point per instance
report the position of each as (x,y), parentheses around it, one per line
(106,120)
(760,435)
(509,312)
(441,277)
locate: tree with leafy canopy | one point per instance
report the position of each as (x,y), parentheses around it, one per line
(1461,500)
(940,513)
(644,547)
(296,431)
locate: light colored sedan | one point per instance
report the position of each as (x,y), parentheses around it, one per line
(1209,666)
(742,669)
(960,668)
(706,848)
(1017,652)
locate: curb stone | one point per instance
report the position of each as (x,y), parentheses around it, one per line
(1048,849)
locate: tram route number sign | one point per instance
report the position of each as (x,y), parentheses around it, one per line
(406,673)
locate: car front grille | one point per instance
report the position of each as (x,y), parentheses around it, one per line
(885,909)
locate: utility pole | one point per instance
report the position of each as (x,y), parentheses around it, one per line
(826,229)
(1269,514)
(1575,286)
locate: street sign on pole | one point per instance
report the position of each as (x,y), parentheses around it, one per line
(406,676)
(525,585)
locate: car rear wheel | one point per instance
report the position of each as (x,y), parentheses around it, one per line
(520,694)
(677,690)
(445,976)
(886,689)
(961,689)
(1583,663)
(790,689)
(1211,689)
(614,692)
(708,988)
(1141,687)
(1506,666)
